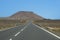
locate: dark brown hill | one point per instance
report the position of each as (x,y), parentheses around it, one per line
(26,15)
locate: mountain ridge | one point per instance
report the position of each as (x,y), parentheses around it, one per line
(26,15)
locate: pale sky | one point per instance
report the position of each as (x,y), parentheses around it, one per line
(49,9)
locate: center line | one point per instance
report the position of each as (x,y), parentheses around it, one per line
(20,31)
(10,39)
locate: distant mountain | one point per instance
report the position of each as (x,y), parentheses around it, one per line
(26,15)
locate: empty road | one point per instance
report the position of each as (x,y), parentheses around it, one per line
(27,32)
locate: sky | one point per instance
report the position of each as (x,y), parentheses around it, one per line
(49,9)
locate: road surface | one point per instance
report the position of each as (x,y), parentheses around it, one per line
(27,32)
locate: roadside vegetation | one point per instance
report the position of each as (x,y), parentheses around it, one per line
(51,25)
(4,24)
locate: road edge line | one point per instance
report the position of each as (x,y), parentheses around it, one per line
(47,31)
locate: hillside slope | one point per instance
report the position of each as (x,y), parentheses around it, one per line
(26,15)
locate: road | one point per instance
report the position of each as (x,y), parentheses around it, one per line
(4,35)
(27,32)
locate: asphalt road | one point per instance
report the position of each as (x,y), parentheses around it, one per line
(6,34)
(29,32)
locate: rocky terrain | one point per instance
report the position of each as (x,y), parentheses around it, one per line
(26,15)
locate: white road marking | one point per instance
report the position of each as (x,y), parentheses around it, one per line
(16,34)
(48,31)
(10,39)
(21,30)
